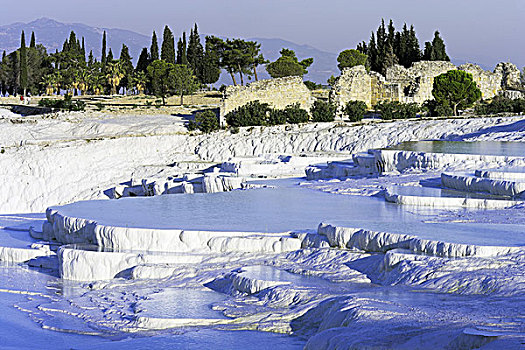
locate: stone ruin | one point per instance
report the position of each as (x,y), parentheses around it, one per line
(278,93)
(406,85)
(414,85)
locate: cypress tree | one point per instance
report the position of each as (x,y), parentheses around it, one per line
(195,52)
(103,60)
(109,59)
(3,74)
(143,62)
(391,35)
(182,55)
(439,52)
(83,50)
(32,44)
(127,67)
(167,52)
(427,54)
(91,59)
(154,49)
(373,54)
(414,51)
(23,63)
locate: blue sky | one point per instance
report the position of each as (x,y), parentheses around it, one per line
(487,31)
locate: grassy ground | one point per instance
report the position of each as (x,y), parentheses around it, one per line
(138,104)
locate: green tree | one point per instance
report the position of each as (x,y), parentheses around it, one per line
(154,49)
(182,50)
(143,62)
(167,51)
(103,60)
(211,70)
(23,64)
(436,51)
(114,75)
(195,53)
(288,65)
(159,74)
(351,58)
(457,89)
(32,43)
(140,80)
(127,68)
(255,57)
(183,81)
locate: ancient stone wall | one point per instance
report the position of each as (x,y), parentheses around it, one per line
(278,93)
(489,83)
(415,84)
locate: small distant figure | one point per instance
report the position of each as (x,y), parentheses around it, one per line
(22,99)
(28,98)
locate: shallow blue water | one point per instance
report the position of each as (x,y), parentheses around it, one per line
(495,148)
(287,207)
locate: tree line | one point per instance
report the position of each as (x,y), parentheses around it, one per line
(163,69)
(388,46)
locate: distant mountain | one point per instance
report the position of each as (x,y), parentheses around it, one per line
(52,35)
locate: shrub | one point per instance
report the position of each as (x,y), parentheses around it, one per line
(323,111)
(206,121)
(277,117)
(355,110)
(251,114)
(435,109)
(295,114)
(67,103)
(397,110)
(312,86)
(500,104)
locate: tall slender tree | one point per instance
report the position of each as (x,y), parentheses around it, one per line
(110,57)
(195,52)
(83,48)
(23,63)
(32,44)
(143,61)
(211,69)
(167,52)
(182,53)
(103,60)
(127,68)
(154,48)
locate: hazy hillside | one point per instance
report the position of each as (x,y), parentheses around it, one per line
(52,34)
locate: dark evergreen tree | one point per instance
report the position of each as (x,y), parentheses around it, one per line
(195,52)
(144,61)
(110,58)
(83,48)
(362,47)
(439,52)
(127,68)
(103,60)
(390,40)
(211,70)
(91,59)
(373,54)
(427,54)
(182,53)
(167,52)
(414,51)
(154,49)
(32,44)
(23,63)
